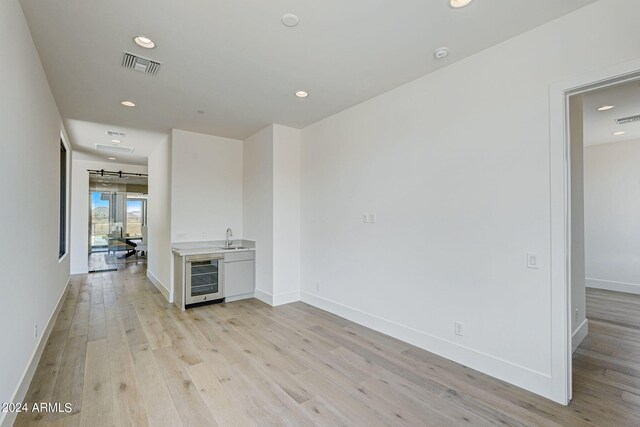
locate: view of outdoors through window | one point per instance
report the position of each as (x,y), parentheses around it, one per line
(99,219)
(135,217)
(109,217)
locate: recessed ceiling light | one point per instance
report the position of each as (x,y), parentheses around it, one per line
(302,94)
(618,133)
(111,158)
(128,103)
(441,52)
(606,107)
(144,42)
(457,4)
(115,141)
(290,20)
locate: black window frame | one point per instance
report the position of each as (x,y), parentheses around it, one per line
(62,246)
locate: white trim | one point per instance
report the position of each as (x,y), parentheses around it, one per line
(21,391)
(579,335)
(560,245)
(239,297)
(560,212)
(287,298)
(536,382)
(275,300)
(160,286)
(83,269)
(264,297)
(611,285)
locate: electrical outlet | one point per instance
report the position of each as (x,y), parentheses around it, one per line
(459,330)
(365,218)
(35,331)
(577,315)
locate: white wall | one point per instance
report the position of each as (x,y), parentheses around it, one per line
(272,211)
(286,214)
(579,326)
(456,167)
(80,207)
(33,279)
(206,187)
(612,216)
(159,256)
(258,206)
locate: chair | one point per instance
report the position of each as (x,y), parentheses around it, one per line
(113,240)
(142,246)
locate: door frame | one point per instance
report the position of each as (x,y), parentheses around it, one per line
(560,180)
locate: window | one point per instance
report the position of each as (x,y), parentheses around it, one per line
(136,216)
(62,248)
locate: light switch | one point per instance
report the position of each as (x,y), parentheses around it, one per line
(372,218)
(532,260)
(365,218)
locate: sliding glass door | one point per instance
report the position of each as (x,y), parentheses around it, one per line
(107,221)
(99,213)
(117,219)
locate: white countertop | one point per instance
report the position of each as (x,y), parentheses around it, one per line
(212,247)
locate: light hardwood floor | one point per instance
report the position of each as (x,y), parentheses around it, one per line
(103,261)
(122,356)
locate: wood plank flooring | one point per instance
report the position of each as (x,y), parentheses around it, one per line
(103,261)
(123,356)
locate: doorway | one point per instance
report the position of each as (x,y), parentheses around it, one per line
(117,220)
(604,139)
(562,224)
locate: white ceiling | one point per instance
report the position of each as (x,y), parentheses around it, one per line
(85,136)
(599,126)
(238,63)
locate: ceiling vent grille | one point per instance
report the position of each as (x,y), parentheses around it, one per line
(141,64)
(629,119)
(114,134)
(114,148)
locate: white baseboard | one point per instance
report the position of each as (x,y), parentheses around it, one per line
(579,335)
(520,376)
(287,298)
(79,269)
(160,286)
(264,297)
(610,285)
(275,300)
(239,297)
(21,392)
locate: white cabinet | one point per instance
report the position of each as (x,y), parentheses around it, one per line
(239,275)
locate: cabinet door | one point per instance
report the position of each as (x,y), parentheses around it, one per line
(238,278)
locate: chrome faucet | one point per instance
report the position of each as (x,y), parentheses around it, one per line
(228,242)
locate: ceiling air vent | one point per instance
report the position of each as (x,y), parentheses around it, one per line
(629,119)
(139,63)
(115,134)
(114,148)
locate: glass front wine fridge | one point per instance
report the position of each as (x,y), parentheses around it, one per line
(204,278)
